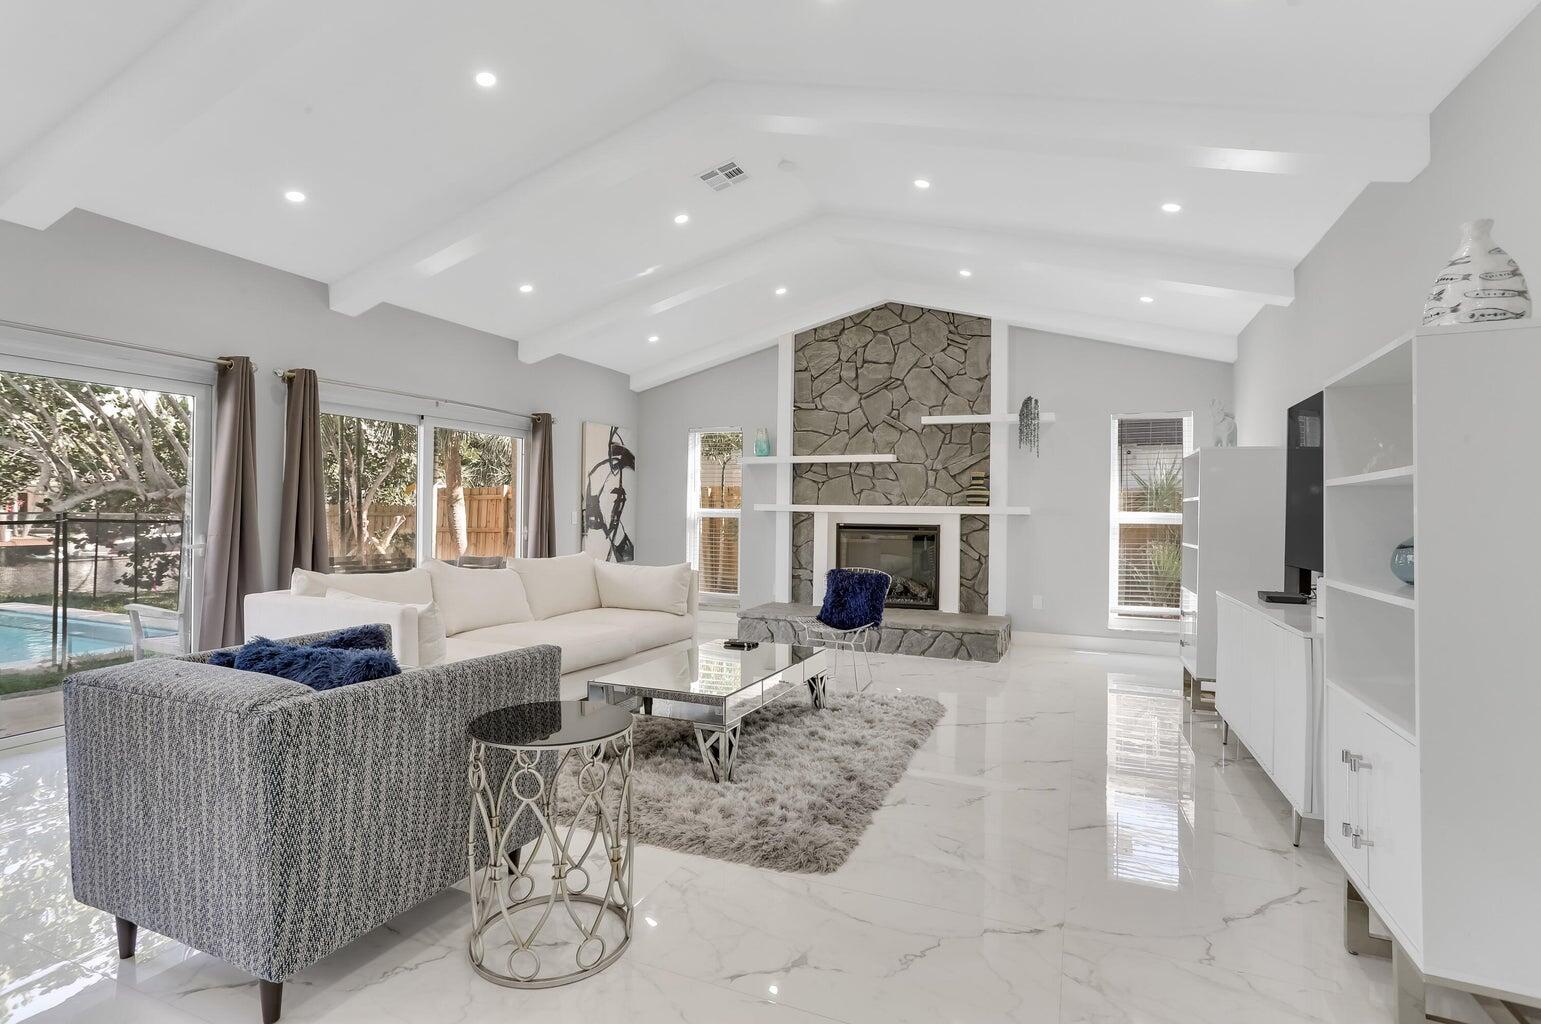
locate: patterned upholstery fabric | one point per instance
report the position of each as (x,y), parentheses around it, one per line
(853,599)
(264,822)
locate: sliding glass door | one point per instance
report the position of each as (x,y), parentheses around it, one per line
(100,478)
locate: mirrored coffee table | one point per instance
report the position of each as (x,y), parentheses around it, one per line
(715,689)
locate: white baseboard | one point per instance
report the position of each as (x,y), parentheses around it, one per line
(1117,644)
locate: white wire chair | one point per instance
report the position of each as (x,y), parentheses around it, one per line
(860,639)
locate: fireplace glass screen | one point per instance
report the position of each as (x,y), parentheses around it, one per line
(907,553)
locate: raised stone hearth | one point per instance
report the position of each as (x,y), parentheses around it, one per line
(955,635)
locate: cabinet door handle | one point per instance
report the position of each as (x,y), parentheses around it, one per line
(1348,830)
(1353,760)
(1357,840)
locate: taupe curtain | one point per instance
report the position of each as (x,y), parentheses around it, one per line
(302,517)
(542,508)
(232,560)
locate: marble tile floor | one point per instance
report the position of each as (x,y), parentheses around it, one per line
(1069,845)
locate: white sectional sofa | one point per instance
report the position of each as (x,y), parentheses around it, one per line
(602,615)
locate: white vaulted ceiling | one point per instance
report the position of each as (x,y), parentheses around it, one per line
(1051,134)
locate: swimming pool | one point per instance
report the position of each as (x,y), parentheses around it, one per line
(27,636)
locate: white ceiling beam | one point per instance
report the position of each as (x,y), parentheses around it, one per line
(1198,274)
(1227,277)
(1371,147)
(1076,323)
(800,318)
(634,150)
(723,268)
(179,77)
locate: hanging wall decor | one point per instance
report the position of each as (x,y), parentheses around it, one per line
(609,467)
(1027,424)
(1481,283)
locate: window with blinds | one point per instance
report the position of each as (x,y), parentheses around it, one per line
(713,503)
(1145,557)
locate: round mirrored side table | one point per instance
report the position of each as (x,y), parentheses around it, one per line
(560,910)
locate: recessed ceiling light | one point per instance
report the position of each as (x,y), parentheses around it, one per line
(965,272)
(527,288)
(1147,298)
(486,79)
(1171,207)
(682,218)
(294,196)
(652,338)
(922,183)
(782,290)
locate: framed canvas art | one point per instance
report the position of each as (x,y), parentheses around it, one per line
(608,475)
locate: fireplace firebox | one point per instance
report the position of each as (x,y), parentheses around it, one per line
(909,554)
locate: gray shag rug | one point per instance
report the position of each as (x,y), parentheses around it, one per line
(804,788)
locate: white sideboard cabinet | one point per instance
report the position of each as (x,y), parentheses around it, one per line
(1268,692)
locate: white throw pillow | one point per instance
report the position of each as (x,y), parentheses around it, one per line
(431,649)
(410,586)
(649,588)
(473,598)
(559,585)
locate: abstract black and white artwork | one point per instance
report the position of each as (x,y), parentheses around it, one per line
(609,468)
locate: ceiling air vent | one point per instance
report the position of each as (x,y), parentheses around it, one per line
(720,177)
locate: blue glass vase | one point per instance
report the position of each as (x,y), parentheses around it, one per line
(1402,561)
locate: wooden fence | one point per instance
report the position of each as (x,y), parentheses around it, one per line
(492,524)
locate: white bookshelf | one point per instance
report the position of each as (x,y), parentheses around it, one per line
(1233,539)
(1433,703)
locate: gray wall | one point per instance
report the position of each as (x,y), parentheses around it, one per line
(1364,283)
(96,276)
(1061,550)
(737,394)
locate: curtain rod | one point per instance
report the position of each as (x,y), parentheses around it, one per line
(287,375)
(132,346)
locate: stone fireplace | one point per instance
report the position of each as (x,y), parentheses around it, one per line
(909,554)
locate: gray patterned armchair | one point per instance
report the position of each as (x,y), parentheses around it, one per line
(266,823)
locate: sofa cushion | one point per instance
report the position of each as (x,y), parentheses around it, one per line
(645,630)
(320,668)
(430,625)
(653,588)
(583,644)
(472,598)
(410,586)
(559,585)
(458,648)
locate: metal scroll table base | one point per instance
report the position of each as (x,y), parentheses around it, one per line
(511,924)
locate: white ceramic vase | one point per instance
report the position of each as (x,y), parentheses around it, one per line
(1479,284)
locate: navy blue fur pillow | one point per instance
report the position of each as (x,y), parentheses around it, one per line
(320,668)
(853,599)
(353,638)
(356,638)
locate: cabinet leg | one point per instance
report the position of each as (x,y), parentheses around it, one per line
(1356,927)
(1225,733)
(1296,820)
(1407,980)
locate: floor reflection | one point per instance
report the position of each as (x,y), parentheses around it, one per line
(1150,782)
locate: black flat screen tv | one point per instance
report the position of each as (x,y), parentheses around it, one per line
(1303,495)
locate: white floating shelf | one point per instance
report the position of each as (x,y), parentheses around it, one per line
(782,460)
(902,510)
(1401,595)
(1000,417)
(1401,476)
